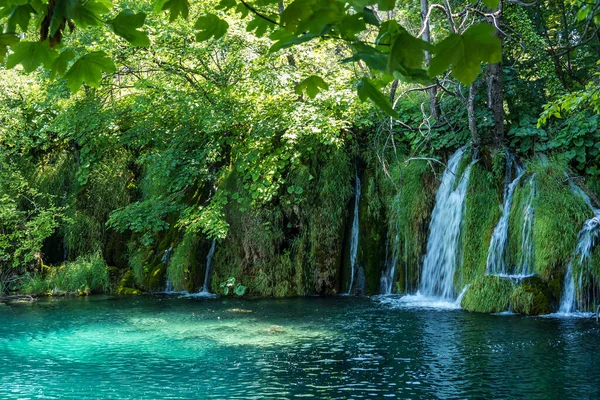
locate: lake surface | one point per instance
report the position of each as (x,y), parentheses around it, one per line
(325,348)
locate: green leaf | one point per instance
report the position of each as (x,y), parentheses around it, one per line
(370,17)
(89,69)
(86,13)
(466,52)
(386,5)
(493,4)
(20,16)
(6,39)
(226,4)
(126,25)
(31,55)
(59,15)
(209,26)
(284,39)
(59,66)
(374,58)
(177,8)
(313,85)
(407,51)
(259,25)
(366,90)
(240,290)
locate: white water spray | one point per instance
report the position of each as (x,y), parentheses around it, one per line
(208,269)
(496,259)
(444,232)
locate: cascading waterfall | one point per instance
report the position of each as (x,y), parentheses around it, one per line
(496,260)
(526,259)
(573,296)
(444,231)
(354,233)
(208,269)
(387,277)
(165,260)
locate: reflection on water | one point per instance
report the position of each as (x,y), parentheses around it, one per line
(338,348)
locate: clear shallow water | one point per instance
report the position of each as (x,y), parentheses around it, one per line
(193,348)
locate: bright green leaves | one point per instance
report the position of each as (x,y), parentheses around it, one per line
(20,16)
(86,13)
(466,52)
(406,58)
(176,8)
(312,85)
(259,26)
(88,69)
(60,64)
(6,40)
(366,90)
(127,25)
(31,55)
(209,26)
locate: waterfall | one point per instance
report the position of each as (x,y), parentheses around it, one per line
(586,241)
(386,282)
(354,234)
(526,259)
(208,269)
(165,260)
(444,231)
(496,259)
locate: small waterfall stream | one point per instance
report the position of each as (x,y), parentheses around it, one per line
(354,233)
(386,282)
(437,279)
(526,266)
(165,260)
(496,260)
(208,269)
(573,299)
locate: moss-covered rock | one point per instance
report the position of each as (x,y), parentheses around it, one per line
(127,285)
(488,294)
(482,212)
(532,297)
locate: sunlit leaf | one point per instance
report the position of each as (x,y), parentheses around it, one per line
(312,85)
(466,52)
(210,26)
(31,55)
(127,25)
(88,69)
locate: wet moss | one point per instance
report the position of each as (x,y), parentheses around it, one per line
(482,212)
(559,215)
(488,294)
(532,297)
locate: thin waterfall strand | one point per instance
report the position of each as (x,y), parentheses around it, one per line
(586,241)
(496,260)
(444,232)
(208,269)
(354,234)
(527,244)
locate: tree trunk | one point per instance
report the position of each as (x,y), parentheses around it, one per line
(475,138)
(495,95)
(433,101)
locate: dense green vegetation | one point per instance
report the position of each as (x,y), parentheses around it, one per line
(128,146)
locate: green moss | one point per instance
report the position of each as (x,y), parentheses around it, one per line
(409,205)
(482,212)
(559,215)
(488,294)
(185,258)
(127,285)
(532,297)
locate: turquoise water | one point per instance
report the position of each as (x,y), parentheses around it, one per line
(334,348)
